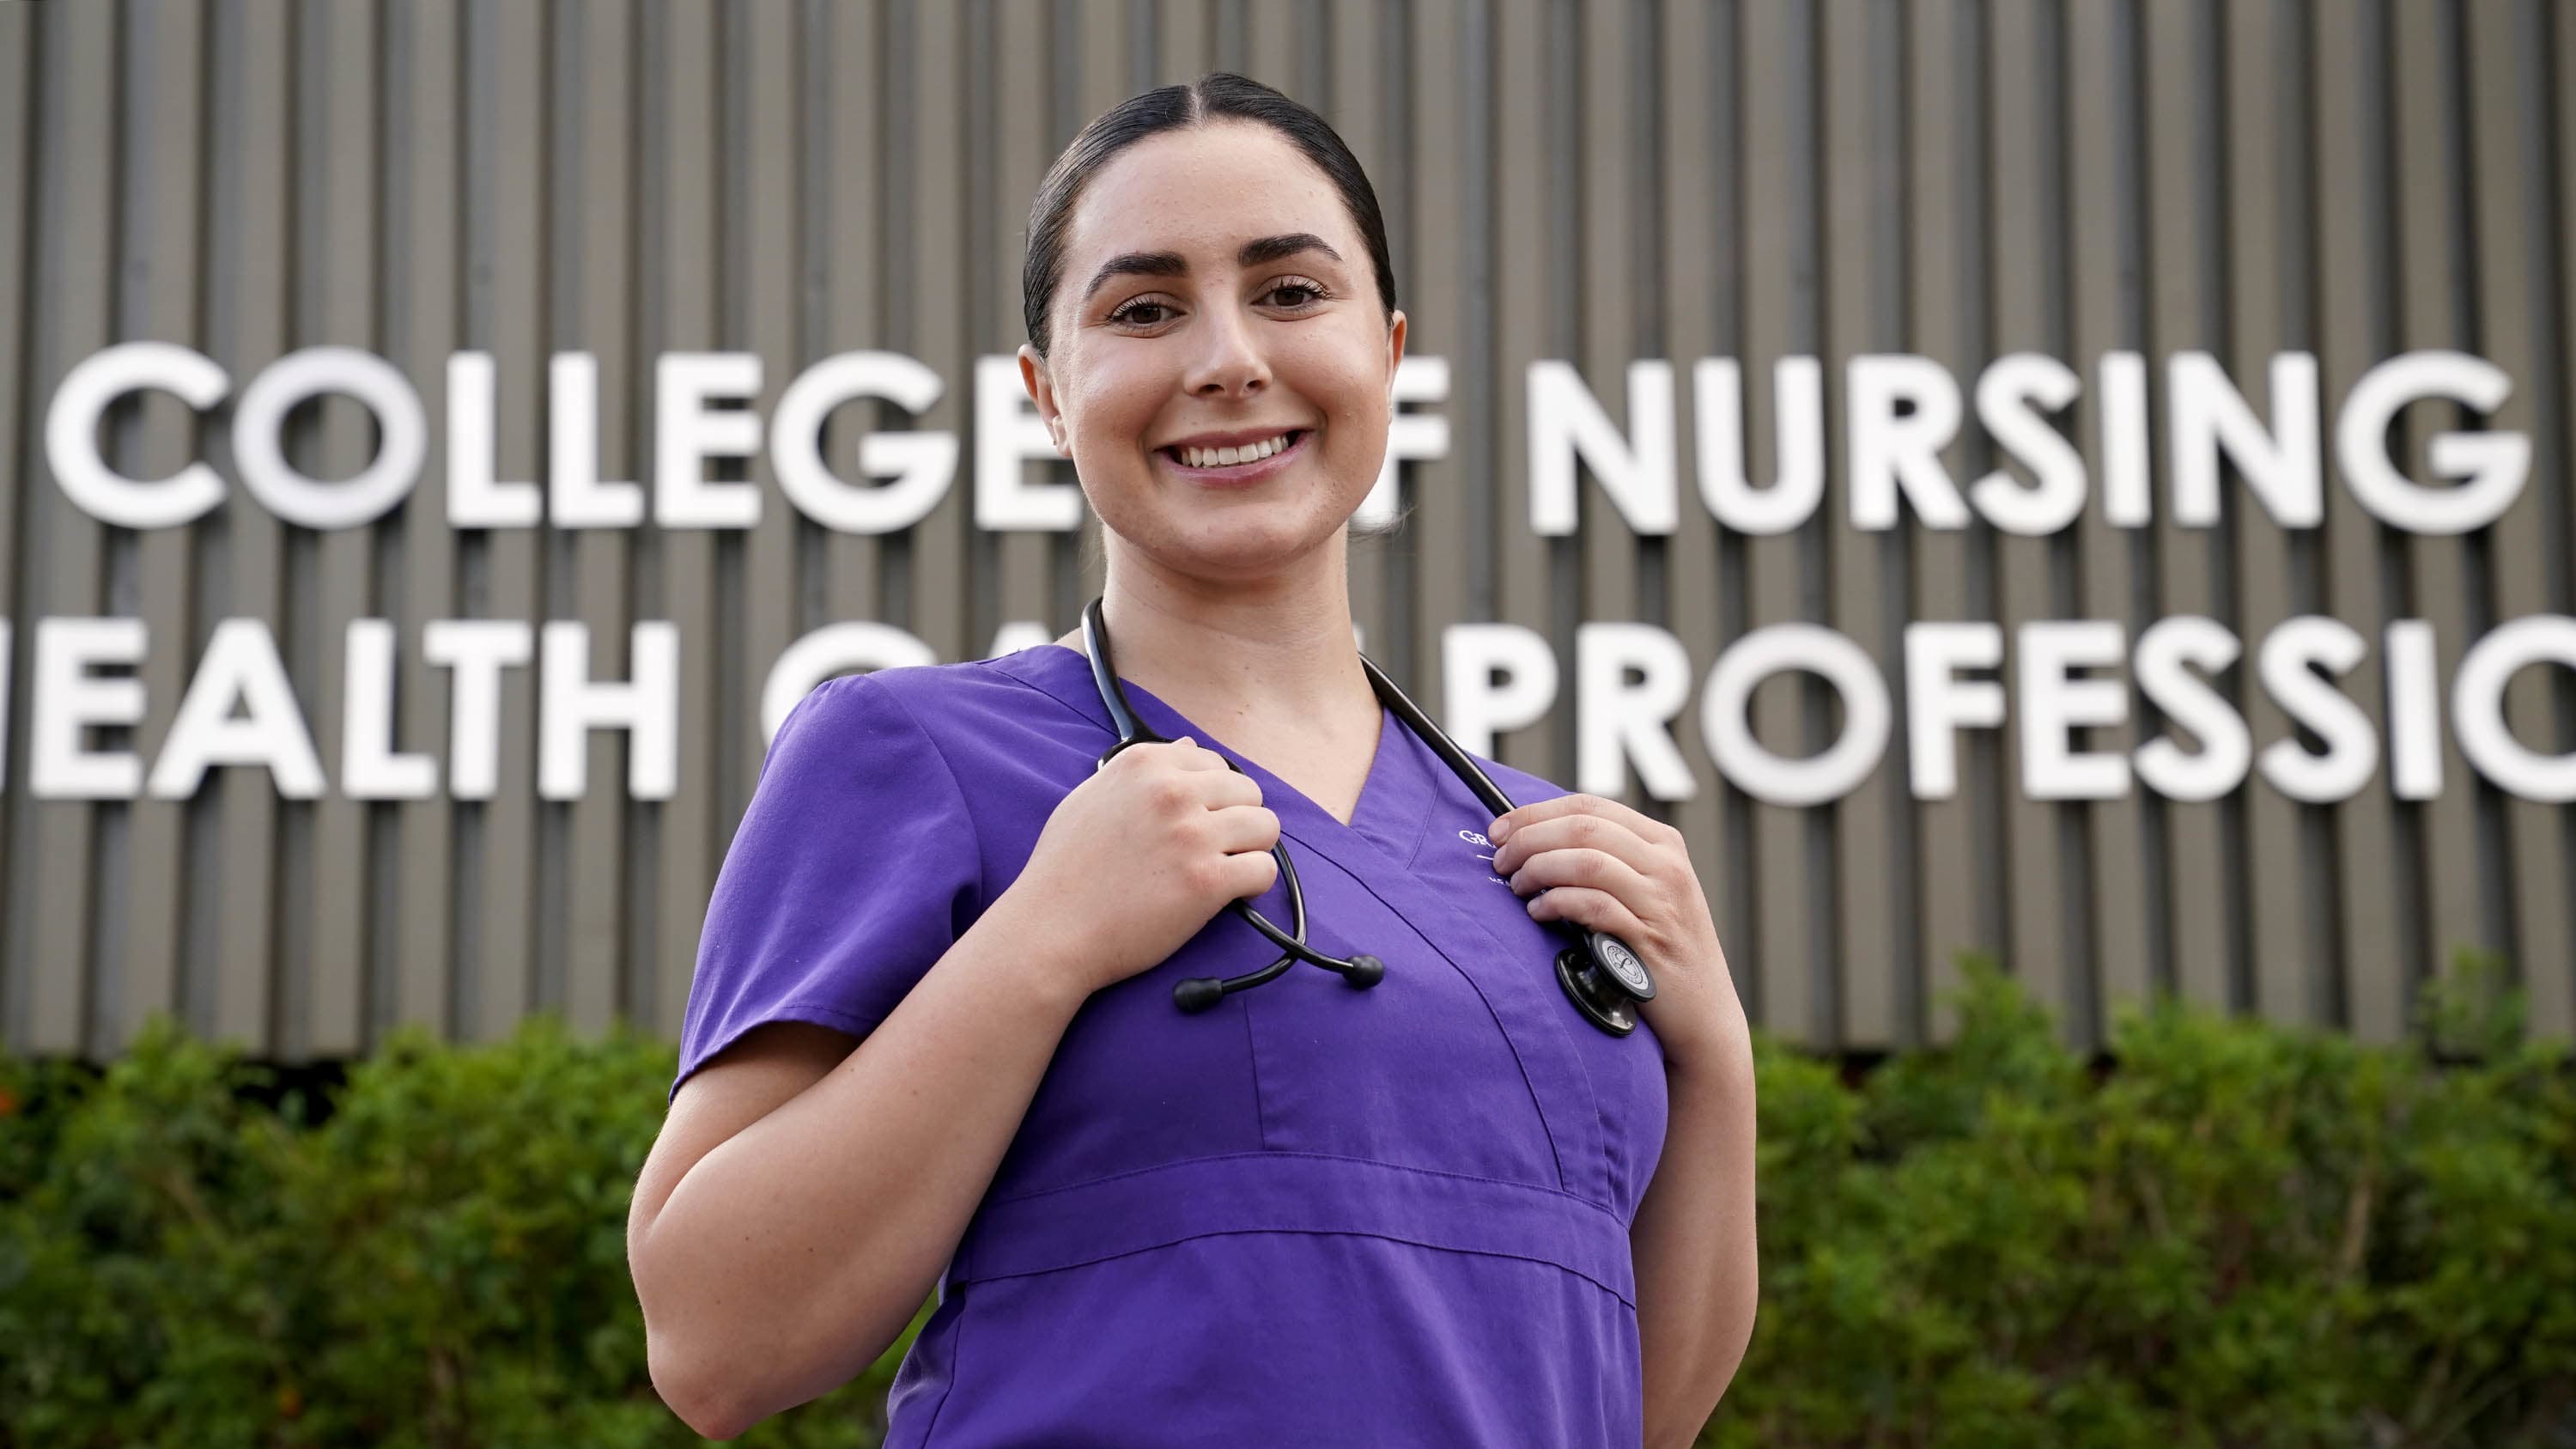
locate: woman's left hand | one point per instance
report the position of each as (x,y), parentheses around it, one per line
(1598,863)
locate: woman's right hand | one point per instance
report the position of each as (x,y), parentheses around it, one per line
(1138,857)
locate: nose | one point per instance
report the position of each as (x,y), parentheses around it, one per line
(1230,361)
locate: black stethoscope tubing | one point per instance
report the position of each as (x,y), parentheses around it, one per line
(1602,976)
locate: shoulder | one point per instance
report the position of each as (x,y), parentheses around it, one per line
(958,710)
(916,686)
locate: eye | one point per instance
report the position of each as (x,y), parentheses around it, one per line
(1146,311)
(1293,294)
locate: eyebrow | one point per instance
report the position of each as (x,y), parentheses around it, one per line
(1173,264)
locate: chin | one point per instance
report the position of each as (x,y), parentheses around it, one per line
(1247,545)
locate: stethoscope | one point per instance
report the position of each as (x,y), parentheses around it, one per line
(1602,976)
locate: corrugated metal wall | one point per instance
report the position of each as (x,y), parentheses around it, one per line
(1597,182)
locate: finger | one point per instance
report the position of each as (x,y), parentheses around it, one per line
(1221,789)
(1250,874)
(1193,756)
(1646,826)
(1585,906)
(1243,827)
(1580,866)
(1595,832)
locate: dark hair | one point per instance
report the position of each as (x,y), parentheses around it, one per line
(1222,95)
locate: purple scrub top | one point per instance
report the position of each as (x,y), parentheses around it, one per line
(1311,1215)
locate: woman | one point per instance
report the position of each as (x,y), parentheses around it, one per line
(1442,1211)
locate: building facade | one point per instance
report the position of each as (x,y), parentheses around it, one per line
(2085,482)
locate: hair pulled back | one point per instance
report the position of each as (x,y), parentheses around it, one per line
(1221,95)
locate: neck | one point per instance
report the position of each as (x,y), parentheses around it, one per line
(1227,653)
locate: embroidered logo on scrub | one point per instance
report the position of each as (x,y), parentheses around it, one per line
(1472,838)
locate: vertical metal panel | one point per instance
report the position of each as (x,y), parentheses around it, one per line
(2426,271)
(1946,145)
(1023,585)
(684,250)
(1605,209)
(2185,291)
(2026,213)
(760,279)
(159,244)
(424,321)
(593,263)
(336,130)
(1523,194)
(2257,195)
(246,329)
(2351,96)
(76,88)
(1187,40)
(938,563)
(1864,313)
(505,71)
(2559,449)
(1375,138)
(20,408)
(846,154)
(1599,181)
(1781,225)
(2517,296)
(1447,299)
(2101,221)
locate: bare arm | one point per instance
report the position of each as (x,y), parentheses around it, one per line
(1693,1242)
(803,1198)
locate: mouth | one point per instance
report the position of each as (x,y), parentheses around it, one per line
(1242,463)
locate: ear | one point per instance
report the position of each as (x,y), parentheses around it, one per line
(1394,350)
(1041,389)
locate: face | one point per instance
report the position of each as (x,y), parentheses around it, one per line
(1220,363)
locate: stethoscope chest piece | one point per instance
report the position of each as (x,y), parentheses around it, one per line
(1602,977)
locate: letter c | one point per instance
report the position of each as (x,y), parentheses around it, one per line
(71,434)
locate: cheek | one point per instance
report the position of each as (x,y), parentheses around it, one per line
(1349,387)
(1117,401)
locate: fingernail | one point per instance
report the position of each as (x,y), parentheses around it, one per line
(1498,832)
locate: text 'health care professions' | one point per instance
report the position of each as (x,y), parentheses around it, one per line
(1631,683)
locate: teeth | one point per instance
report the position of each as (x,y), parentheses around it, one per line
(1229,457)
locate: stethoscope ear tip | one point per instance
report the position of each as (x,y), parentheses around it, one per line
(1198,993)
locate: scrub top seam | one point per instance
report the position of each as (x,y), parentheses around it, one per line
(1042,692)
(864,1022)
(956,1358)
(1302,1233)
(974,836)
(1568,1194)
(1252,1058)
(1422,836)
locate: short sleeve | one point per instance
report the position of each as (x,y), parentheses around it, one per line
(854,869)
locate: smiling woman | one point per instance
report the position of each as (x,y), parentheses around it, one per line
(1241,347)
(932,1038)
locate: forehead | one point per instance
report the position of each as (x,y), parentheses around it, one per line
(1202,192)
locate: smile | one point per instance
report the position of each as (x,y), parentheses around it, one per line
(1242,462)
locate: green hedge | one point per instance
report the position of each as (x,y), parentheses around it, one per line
(2239,1236)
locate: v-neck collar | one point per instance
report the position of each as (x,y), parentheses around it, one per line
(1388,813)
